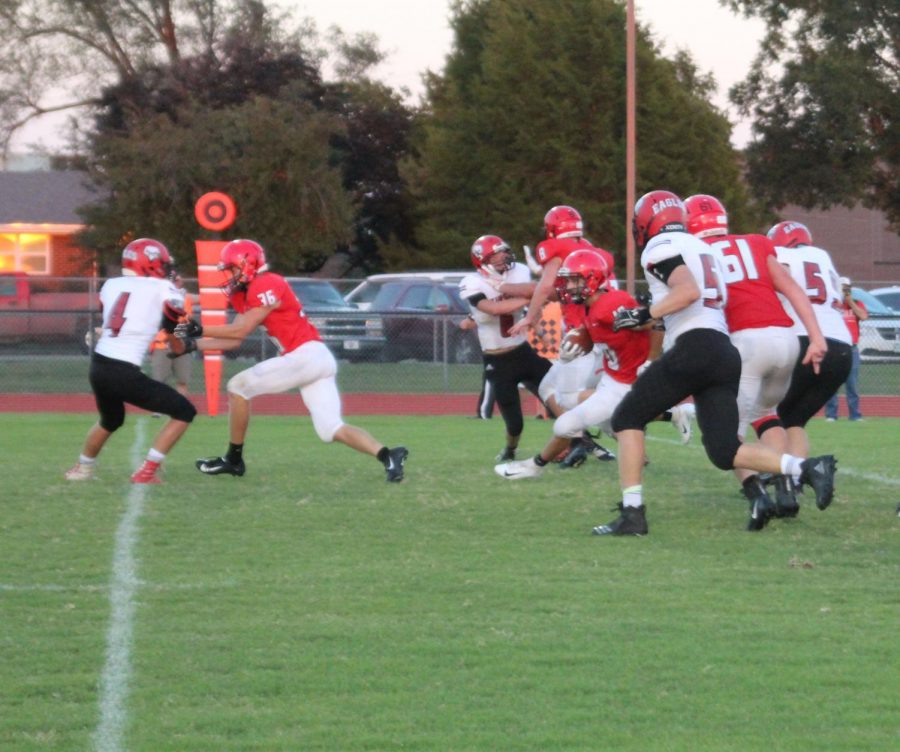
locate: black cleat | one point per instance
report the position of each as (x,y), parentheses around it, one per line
(631,521)
(220,466)
(507,455)
(600,452)
(394,465)
(576,456)
(762,508)
(818,472)
(785,501)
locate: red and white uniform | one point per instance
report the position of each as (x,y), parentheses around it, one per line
(132,315)
(814,271)
(760,328)
(624,352)
(305,364)
(493,330)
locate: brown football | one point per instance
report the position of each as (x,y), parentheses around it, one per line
(580,336)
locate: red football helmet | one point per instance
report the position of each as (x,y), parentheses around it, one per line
(656,212)
(790,235)
(243,260)
(490,253)
(587,269)
(706,216)
(563,222)
(146,257)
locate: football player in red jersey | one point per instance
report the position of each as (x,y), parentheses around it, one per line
(135,307)
(583,281)
(762,332)
(263,298)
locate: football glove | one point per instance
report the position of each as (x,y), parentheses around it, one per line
(189,329)
(630,318)
(172,314)
(569,350)
(644,299)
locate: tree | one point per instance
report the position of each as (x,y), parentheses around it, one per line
(825,99)
(530,112)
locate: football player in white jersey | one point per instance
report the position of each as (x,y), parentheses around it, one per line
(688,292)
(813,270)
(135,306)
(508,358)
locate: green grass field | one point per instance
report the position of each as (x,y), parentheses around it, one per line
(312,606)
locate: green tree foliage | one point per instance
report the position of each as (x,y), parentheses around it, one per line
(824,93)
(530,112)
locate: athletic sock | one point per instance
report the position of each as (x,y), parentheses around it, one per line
(632,496)
(792,466)
(539,461)
(383,455)
(83,460)
(235,453)
(154,456)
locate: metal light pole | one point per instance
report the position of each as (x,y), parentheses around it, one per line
(630,149)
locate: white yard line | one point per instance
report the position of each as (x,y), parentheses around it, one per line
(124,583)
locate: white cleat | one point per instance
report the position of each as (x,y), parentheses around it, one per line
(80,472)
(682,415)
(518,470)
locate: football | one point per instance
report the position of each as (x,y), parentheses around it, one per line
(579,337)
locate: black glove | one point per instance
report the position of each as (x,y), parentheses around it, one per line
(630,318)
(172,314)
(190,345)
(188,329)
(644,299)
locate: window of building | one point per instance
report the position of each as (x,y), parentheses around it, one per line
(25,252)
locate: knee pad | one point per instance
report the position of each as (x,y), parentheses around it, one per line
(721,452)
(326,430)
(186,411)
(111,424)
(568,426)
(236,385)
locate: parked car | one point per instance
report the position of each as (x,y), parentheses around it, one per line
(879,335)
(364,293)
(890,296)
(421,318)
(347,331)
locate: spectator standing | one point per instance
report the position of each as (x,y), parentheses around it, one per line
(853,312)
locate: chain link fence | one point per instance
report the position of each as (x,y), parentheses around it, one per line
(45,343)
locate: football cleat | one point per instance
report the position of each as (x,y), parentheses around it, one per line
(80,472)
(394,465)
(576,456)
(220,466)
(507,455)
(146,473)
(518,470)
(785,500)
(601,453)
(762,508)
(818,472)
(681,420)
(631,521)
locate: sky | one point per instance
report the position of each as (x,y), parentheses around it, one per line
(417,37)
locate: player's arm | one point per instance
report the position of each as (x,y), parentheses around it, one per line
(498,307)
(683,289)
(517,289)
(785,284)
(242,325)
(542,293)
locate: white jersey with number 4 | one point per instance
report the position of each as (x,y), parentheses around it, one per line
(132,315)
(493,330)
(813,269)
(708,312)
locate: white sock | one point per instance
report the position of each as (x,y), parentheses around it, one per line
(83,460)
(632,497)
(155,456)
(791,465)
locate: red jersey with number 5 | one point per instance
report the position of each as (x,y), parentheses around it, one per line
(287,323)
(752,301)
(626,349)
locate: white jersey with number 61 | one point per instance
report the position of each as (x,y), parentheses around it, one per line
(132,315)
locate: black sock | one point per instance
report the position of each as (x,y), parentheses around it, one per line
(666,416)
(235,453)
(383,455)
(539,461)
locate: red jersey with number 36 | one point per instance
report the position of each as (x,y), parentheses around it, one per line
(287,323)
(752,301)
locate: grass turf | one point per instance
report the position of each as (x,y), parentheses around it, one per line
(310,605)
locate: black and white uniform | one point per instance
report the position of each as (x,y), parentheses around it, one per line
(813,269)
(132,312)
(700,360)
(508,361)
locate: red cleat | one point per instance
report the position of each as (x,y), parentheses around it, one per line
(146,473)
